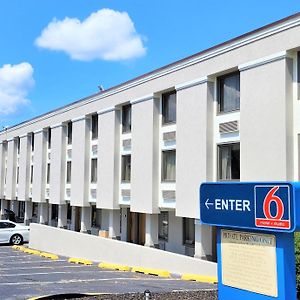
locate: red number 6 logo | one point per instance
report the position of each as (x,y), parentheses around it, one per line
(279,205)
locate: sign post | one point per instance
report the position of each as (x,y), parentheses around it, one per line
(255,241)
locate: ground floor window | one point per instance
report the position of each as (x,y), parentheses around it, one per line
(35,209)
(163,225)
(188,231)
(54,212)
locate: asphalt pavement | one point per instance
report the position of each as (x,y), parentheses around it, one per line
(23,276)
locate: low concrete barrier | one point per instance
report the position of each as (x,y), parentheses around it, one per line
(98,249)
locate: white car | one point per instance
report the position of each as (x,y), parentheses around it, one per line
(13,233)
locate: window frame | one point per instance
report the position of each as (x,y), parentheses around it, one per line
(48,173)
(49,138)
(94,175)
(219,157)
(126,109)
(69,174)
(163,179)
(220,79)
(94,126)
(69,132)
(123,173)
(184,233)
(32,142)
(163,107)
(161,225)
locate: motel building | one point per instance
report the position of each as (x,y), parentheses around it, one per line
(127,162)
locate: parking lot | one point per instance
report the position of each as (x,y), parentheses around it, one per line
(23,276)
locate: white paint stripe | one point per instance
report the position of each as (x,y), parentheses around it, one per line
(32,261)
(44,267)
(55,272)
(86,280)
(13,256)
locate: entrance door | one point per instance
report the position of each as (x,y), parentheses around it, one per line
(136,228)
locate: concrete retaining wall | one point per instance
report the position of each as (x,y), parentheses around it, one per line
(74,244)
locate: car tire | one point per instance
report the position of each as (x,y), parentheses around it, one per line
(16,239)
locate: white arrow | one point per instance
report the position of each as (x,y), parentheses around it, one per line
(207,203)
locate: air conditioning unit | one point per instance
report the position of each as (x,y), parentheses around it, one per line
(94,150)
(229,127)
(69,154)
(169,136)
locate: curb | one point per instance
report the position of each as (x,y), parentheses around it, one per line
(49,255)
(200,278)
(156,272)
(32,251)
(80,261)
(117,267)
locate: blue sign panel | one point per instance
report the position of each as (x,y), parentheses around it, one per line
(268,206)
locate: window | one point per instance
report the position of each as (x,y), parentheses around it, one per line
(69,164)
(126,118)
(48,173)
(169,108)
(21,210)
(169,165)
(94,126)
(35,209)
(18,171)
(95,217)
(69,133)
(18,145)
(229,162)
(69,212)
(126,167)
(32,141)
(54,212)
(31,173)
(229,92)
(7,225)
(49,138)
(188,231)
(94,170)
(163,225)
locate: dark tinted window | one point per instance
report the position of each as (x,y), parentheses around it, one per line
(69,133)
(229,92)
(94,126)
(169,165)
(126,118)
(7,225)
(169,108)
(126,167)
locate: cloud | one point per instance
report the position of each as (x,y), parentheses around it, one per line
(15,83)
(106,35)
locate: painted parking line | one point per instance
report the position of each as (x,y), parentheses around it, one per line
(33,262)
(44,267)
(50,273)
(64,281)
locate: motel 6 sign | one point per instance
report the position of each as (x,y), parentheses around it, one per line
(259,206)
(255,224)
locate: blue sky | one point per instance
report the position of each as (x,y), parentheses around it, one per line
(54,52)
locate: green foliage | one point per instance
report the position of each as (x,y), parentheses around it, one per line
(297,252)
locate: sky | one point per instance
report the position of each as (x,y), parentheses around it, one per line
(55,52)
